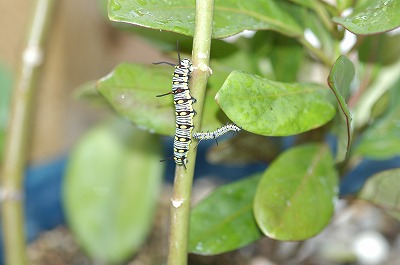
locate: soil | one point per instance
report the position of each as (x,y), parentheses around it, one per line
(353,222)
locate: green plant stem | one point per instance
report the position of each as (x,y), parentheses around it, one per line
(318,53)
(323,14)
(17,136)
(180,208)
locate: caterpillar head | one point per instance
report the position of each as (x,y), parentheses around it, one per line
(186,63)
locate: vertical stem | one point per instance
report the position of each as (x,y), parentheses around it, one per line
(319,54)
(323,14)
(17,136)
(180,201)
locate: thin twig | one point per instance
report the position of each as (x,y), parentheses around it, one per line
(17,136)
(323,14)
(318,53)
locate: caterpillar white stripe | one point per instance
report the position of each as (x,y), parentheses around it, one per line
(217,133)
(184,111)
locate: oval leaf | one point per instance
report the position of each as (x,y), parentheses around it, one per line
(230,17)
(88,92)
(224,220)
(339,80)
(295,197)
(381,140)
(111,188)
(131,90)
(383,190)
(373,17)
(271,108)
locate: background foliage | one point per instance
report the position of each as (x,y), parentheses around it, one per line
(292,77)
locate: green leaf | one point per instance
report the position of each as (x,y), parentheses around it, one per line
(88,92)
(224,220)
(213,116)
(387,77)
(166,41)
(374,16)
(306,3)
(295,197)
(230,17)
(339,80)
(131,90)
(343,4)
(329,45)
(286,58)
(243,149)
(271,108)
(111,187)
(383,190)
(382,139)
(382,48)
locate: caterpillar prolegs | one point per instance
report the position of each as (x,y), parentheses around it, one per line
(184,111)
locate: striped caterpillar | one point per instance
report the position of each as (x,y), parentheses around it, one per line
(184,111)
(217,133)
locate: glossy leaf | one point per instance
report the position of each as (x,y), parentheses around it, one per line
(230,17)
(295,197)
(271,108)
(383,190)
(382,139)
(339,80)
(166,41)
(224,220)
(111,188)
(213,116)
(132,89)
(374,16)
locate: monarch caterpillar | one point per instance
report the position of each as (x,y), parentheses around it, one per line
(217,133)
(184,111)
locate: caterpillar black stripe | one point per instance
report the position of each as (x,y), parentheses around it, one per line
(184,111)
(217,133)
